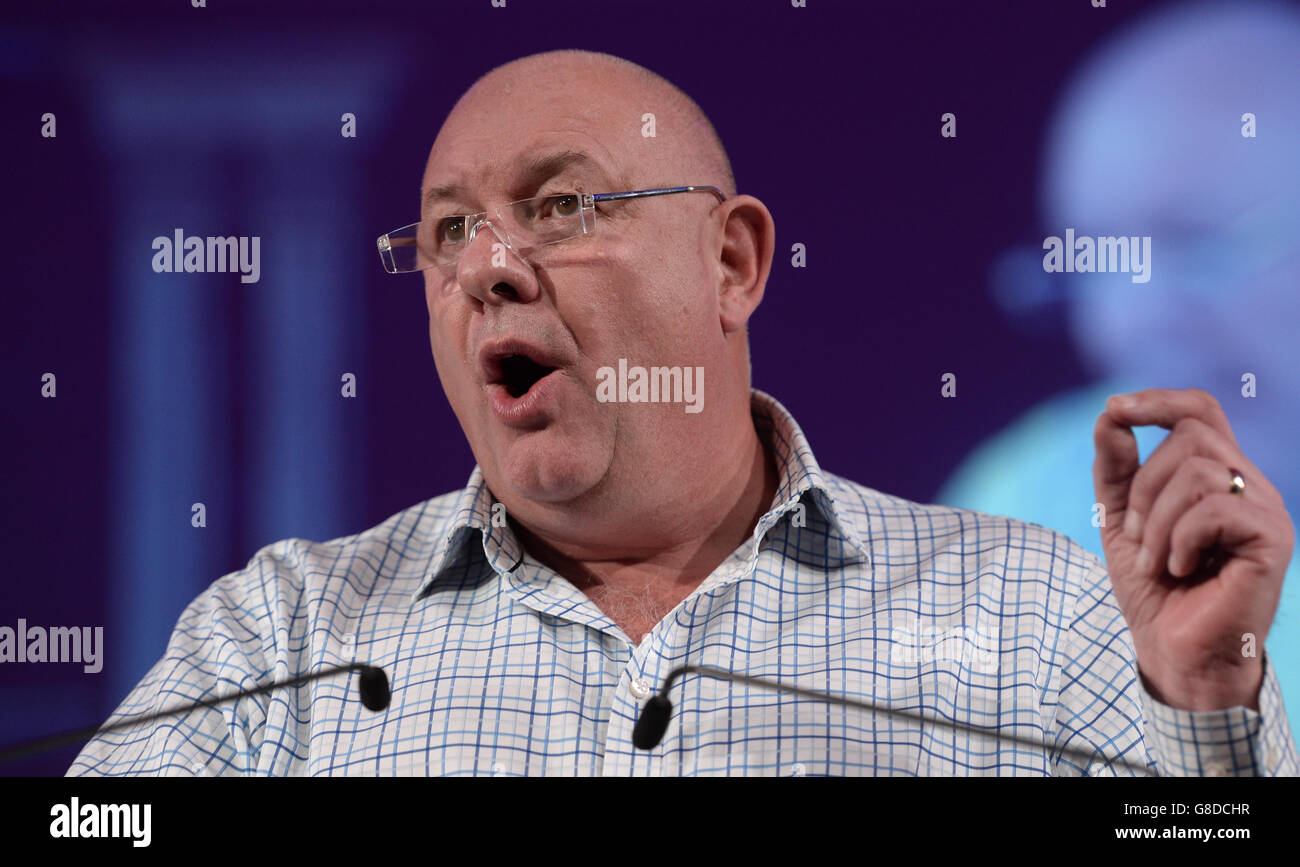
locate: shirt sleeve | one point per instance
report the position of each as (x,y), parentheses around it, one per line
(1105,710)
(221,645)
(1232,742)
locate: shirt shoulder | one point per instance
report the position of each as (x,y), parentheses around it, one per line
(287,612)
(390,557)
(895,528)
(296,595)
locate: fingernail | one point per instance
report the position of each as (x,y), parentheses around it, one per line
(1133,525)
(1123,401)
(1144,560)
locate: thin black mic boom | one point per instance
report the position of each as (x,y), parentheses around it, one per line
(653,721)
(372,685)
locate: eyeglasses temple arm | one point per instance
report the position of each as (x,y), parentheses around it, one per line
(635,194)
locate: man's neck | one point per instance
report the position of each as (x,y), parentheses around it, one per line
(702,532)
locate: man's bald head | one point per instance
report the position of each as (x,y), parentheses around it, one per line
(684,135)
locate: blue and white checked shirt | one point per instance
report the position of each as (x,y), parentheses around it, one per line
(500,666)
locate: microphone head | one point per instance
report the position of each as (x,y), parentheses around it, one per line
(653,722)
(374,688)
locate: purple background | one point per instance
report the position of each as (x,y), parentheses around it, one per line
(174,389)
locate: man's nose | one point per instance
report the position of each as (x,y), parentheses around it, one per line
(492,272)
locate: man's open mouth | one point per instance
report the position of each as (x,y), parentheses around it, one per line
(519,373)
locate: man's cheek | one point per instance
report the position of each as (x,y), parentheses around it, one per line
(602,320)
(449,359)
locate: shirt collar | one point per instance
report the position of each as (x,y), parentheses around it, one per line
(800,481)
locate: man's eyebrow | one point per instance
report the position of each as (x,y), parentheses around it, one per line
(541,168)
(443,191)
(534,173)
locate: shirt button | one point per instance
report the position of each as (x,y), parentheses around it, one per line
(640,688)
(197,767)
(349,638)
(1216,770)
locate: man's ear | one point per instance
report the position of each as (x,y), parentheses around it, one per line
(748,241)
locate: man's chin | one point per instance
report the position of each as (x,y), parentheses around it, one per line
(546,467)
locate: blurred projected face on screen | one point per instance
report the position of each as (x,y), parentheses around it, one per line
(524,333)
(1157,137)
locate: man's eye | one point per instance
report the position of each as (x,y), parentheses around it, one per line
(450,230)
(561,205)
(566,206)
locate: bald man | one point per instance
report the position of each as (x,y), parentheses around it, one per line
(637,506)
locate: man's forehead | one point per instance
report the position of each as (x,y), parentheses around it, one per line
(501,129)
(472,156)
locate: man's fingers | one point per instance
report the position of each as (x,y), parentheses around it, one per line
(1190,440)
(1115,464)
(1190,435)
(1165,407)
(1192,481)
(1218,519)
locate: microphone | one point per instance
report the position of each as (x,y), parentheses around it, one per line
(653,721)
(372,686)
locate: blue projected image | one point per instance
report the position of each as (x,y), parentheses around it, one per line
(1140,146)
